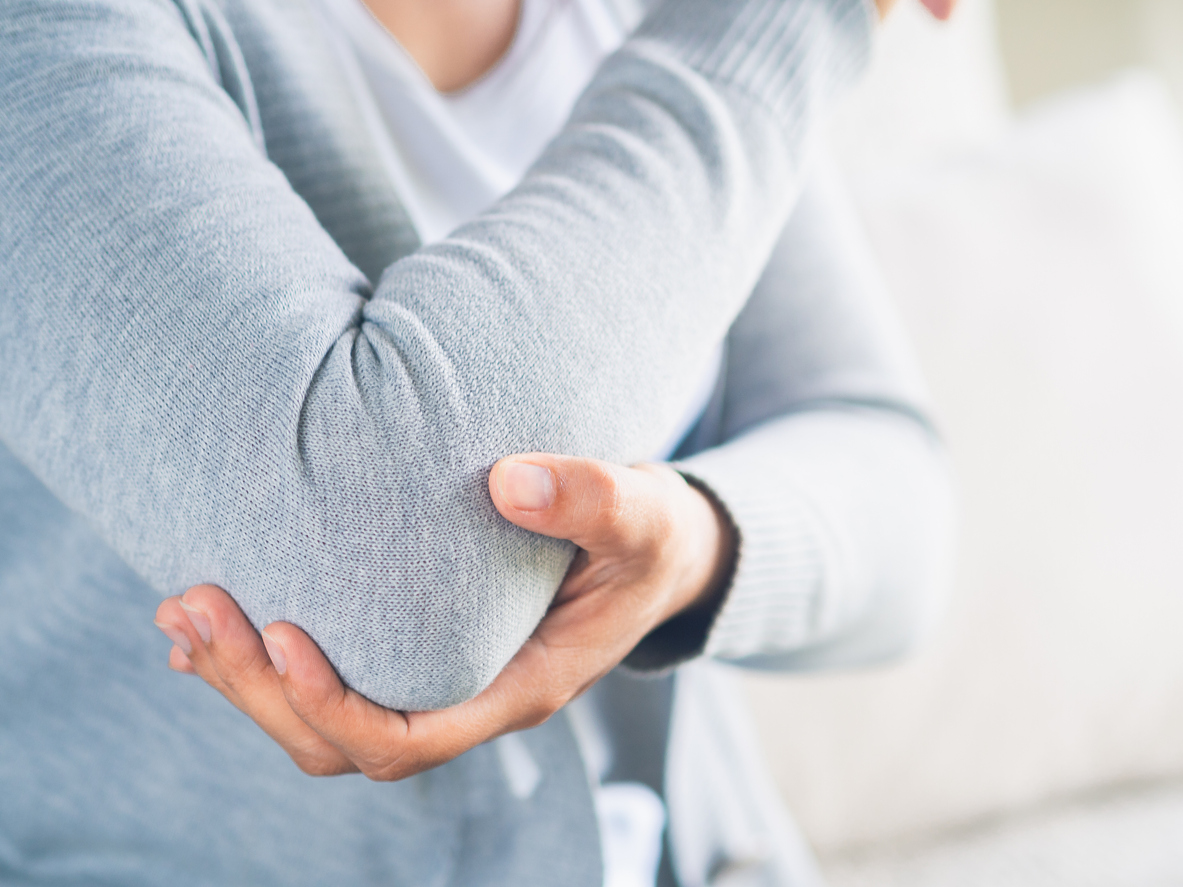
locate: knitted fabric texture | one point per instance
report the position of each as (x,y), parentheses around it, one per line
(192,362)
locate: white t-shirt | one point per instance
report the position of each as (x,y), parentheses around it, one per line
(450,156)
(455,153)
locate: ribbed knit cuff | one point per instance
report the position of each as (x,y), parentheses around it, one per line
(778,585)
(685,636)
(790,55)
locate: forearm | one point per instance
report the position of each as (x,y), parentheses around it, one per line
(844,520)
(820,449)
(192,364)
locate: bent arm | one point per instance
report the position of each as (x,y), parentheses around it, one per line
(828,466)
(191,362)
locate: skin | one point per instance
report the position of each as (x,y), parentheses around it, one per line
(651,547)
(942,9)
(455,42)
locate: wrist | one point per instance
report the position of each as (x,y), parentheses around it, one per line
(711,551)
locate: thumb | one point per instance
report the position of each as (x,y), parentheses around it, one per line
(599,506)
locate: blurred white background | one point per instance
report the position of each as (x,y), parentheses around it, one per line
(1020,173)
(1051,45)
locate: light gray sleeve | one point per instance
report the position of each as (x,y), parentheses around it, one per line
(190,361)
(829,466)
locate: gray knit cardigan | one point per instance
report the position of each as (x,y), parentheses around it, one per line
(225,355)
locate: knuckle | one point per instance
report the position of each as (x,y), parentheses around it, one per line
(256,667)
(313,764)
(610,501)
(380,765)
(386,771)
(536,717)
(240,672)
(544,707)
(556,699)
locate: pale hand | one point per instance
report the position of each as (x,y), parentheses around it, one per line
(651,547)
(942,9)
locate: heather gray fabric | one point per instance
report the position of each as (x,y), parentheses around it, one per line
(193,363)
(196,363)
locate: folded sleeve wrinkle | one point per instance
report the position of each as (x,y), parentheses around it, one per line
(192,363)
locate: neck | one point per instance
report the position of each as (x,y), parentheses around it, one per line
(454,42)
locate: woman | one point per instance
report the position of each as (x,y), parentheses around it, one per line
(197,199)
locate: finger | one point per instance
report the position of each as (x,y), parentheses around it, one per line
(229,645)
(389,745)
(525,694)
(238,655)
(574,646)
(371,737)
(174,622)
(178,661)
(599,506)
(226,652)
(942,9)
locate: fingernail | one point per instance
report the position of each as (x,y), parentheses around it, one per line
(275,651)
(177,636)
(527,487)
(200,621)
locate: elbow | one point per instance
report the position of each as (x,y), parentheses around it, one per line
(387,549)
(455,613)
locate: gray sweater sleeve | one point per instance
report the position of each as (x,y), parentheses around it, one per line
(826,461)
(191,363)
